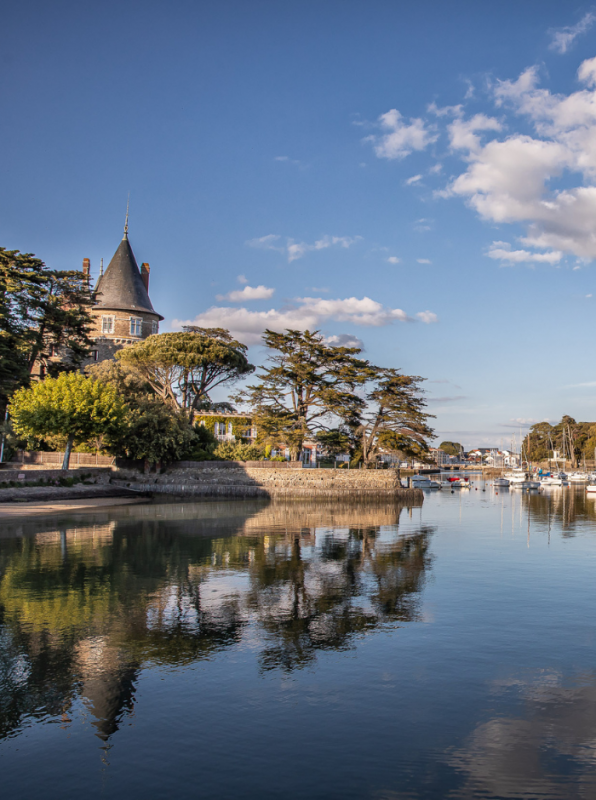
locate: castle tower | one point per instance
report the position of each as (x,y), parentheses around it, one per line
(123,313)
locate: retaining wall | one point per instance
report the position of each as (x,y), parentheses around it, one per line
(214,479)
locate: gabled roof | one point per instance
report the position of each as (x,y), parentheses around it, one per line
(121,286)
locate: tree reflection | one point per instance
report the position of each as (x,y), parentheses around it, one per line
(84,608)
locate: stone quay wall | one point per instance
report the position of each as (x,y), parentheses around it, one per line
(236,480)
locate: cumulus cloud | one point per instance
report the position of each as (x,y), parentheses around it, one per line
(248,293)
(398,137)
(413,179)
(563,38)
(543,178)
(427,316)
(511,180)
(424,261)
(305,313)
(242,279)
(463,133)
(393,260)
(295,250)
(344,340)
(501,251)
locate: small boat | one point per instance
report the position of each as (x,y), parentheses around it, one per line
(461,483)
(501,482)
(519,479)
(578,477)
(423,482)
(552,480)
(591,488)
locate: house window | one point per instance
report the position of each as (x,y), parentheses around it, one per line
(95,355)
(107,324)
(230,428)
(136,326)
(154,326)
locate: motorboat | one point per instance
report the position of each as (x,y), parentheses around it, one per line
(552,480)
(501,483)
(578,477)
(519,479)
(591,488)
(423,482)
(461,483)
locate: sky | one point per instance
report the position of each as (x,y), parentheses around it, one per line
(416,178)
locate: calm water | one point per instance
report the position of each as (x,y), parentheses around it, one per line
(247,650)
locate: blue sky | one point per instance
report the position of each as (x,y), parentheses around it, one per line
(420,177)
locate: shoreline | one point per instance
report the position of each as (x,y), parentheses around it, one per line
(35,507)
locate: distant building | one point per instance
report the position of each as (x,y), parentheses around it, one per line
(439,456)
(227,426)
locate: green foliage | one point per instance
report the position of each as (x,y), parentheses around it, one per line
(202,446)
(153,432)
(70,405)
(42,311)
(451,448)
(306,383)
(574,440)
(236,451)
(126,379)
(240,425)
(395,419)
(182,368)
(337,441)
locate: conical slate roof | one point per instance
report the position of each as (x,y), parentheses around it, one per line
(121,286)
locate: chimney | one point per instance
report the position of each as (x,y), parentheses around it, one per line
(87,268)
(145,270)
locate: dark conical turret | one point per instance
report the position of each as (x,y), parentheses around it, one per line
(121,287)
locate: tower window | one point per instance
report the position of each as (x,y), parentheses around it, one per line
(154,326)
(136,326)
(107,324)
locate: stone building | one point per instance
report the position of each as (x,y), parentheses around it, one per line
(123,313)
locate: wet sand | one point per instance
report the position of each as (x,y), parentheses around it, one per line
(27,509)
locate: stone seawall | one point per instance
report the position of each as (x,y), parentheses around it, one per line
(248,481)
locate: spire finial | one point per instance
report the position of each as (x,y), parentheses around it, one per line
(126,222)
(101,268)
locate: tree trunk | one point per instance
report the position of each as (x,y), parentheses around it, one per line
(69,444)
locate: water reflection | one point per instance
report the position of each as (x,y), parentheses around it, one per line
(548,752)
(88,603)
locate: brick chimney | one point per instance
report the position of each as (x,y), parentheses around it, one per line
(145,270)
(87,268)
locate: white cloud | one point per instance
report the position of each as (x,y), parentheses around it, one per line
(393,260)
(269,242)
(345,340)
(295,250)
(424,261)
(306,313)
(445,111)
(563,38)
(399,138)
(413,179)
(248,293)
(462,132)
(588,295)
(242,279)
(501,251)
(318,289)
(427,317)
